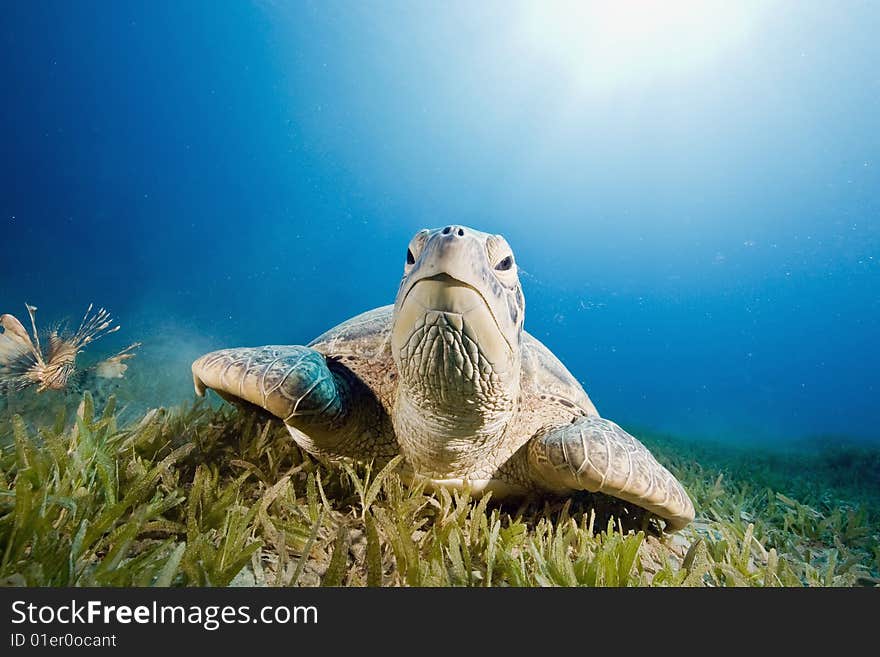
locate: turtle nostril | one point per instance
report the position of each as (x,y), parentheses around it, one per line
(461,232)
(447,230)
(453,230)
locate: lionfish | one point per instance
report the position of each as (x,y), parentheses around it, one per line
(24,363)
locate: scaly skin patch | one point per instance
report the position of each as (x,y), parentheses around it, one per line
(452,407)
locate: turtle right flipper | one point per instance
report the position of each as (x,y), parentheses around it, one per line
(326,408)
(596,455)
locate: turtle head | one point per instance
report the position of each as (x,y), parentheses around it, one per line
(455,339)
(466,280)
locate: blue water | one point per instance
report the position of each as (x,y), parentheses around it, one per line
(697,208)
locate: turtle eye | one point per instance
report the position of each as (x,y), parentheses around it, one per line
(410,258)
(505,264)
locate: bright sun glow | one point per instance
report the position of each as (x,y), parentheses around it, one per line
(605,45)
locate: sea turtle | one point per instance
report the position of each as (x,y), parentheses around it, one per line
(448,377)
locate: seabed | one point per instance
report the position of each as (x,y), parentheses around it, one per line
(94,492)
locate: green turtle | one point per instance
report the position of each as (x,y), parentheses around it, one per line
(447,377)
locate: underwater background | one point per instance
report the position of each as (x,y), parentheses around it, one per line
(691,190)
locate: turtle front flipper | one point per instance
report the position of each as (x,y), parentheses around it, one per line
(326,408)
(596,455)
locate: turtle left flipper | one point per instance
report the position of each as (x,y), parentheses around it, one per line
(328,410)
(596,455)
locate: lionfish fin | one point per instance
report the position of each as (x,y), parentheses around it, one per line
(114,367)
(38,350)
